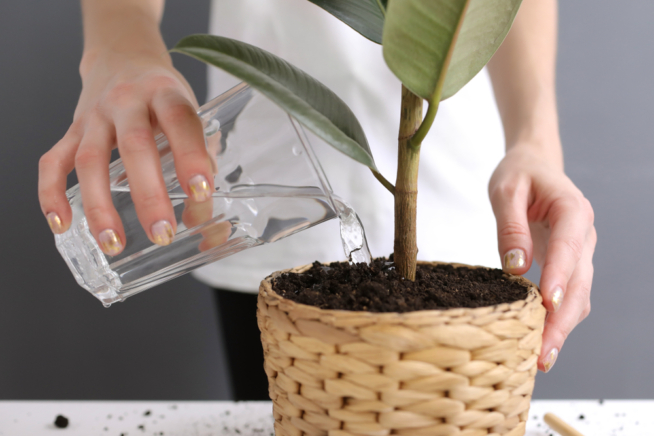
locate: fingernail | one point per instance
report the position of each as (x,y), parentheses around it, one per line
(199,188)
(110,242)
(550,359)
(514,259)
(162,232)
(557,298)
(55,223)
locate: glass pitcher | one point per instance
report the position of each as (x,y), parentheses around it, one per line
(268,185)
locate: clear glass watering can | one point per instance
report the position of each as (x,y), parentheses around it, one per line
(268,185)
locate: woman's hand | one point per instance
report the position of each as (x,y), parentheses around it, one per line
(542,215)
(129,93)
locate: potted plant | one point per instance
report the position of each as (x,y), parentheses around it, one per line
(467,371)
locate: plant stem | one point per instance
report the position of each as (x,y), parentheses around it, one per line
(388,185)
(406,187)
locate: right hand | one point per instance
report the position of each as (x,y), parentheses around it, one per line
(126,99)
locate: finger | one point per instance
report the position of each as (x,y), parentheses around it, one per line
(143,168)
(510,204)
(215,234)
(92,166)
(570,218)
(54,167)
(196,213)
(183,128)
(214,148)
(576,308)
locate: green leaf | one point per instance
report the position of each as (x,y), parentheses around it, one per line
(364,16)
(419,35)
(303,97)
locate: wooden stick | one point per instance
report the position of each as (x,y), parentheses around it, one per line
(560,426)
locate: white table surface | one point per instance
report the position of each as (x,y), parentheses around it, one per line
(221,418)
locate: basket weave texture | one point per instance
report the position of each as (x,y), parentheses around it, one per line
(465,372)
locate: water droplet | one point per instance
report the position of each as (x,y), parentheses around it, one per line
(213,126)
(297,150)
(388,266)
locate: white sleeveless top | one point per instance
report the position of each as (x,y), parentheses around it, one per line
(465,144)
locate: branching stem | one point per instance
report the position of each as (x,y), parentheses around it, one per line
(388,185)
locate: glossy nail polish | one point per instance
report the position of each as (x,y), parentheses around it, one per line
(550,359)
(110,242)
(199,187)
(557,298)
(162,232)
(55,223)
(514,259)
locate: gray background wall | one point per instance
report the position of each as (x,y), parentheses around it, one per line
(57,342)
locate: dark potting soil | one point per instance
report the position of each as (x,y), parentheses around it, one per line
(379,288)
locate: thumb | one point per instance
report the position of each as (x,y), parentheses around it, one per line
(513,236)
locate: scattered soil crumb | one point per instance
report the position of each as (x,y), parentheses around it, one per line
(147,413)
(61,421)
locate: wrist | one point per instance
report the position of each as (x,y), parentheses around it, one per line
(546,148)
(122,36)
(536,130)
(109,57)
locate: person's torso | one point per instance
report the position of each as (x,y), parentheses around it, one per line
(455,220)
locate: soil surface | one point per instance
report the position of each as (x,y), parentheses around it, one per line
(379,288)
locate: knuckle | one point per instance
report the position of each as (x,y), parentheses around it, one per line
(191,155)
(48,160)
(97,112)
(47,194)
(96,213)
(566,202)
(506,190)
(591,273)
(163,83)
(560,332)
(86,157)
(585,312)
(512,228)
(178,113)
(572,245)
(584,293)
(582,297)
(150,200)
(136,141)
(593,236)
(77,127)
(121,92)
(588,210)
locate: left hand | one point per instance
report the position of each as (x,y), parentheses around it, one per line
(542,215)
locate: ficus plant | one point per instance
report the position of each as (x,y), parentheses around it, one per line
(434,47)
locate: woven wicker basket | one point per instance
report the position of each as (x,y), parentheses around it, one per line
(466,372)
